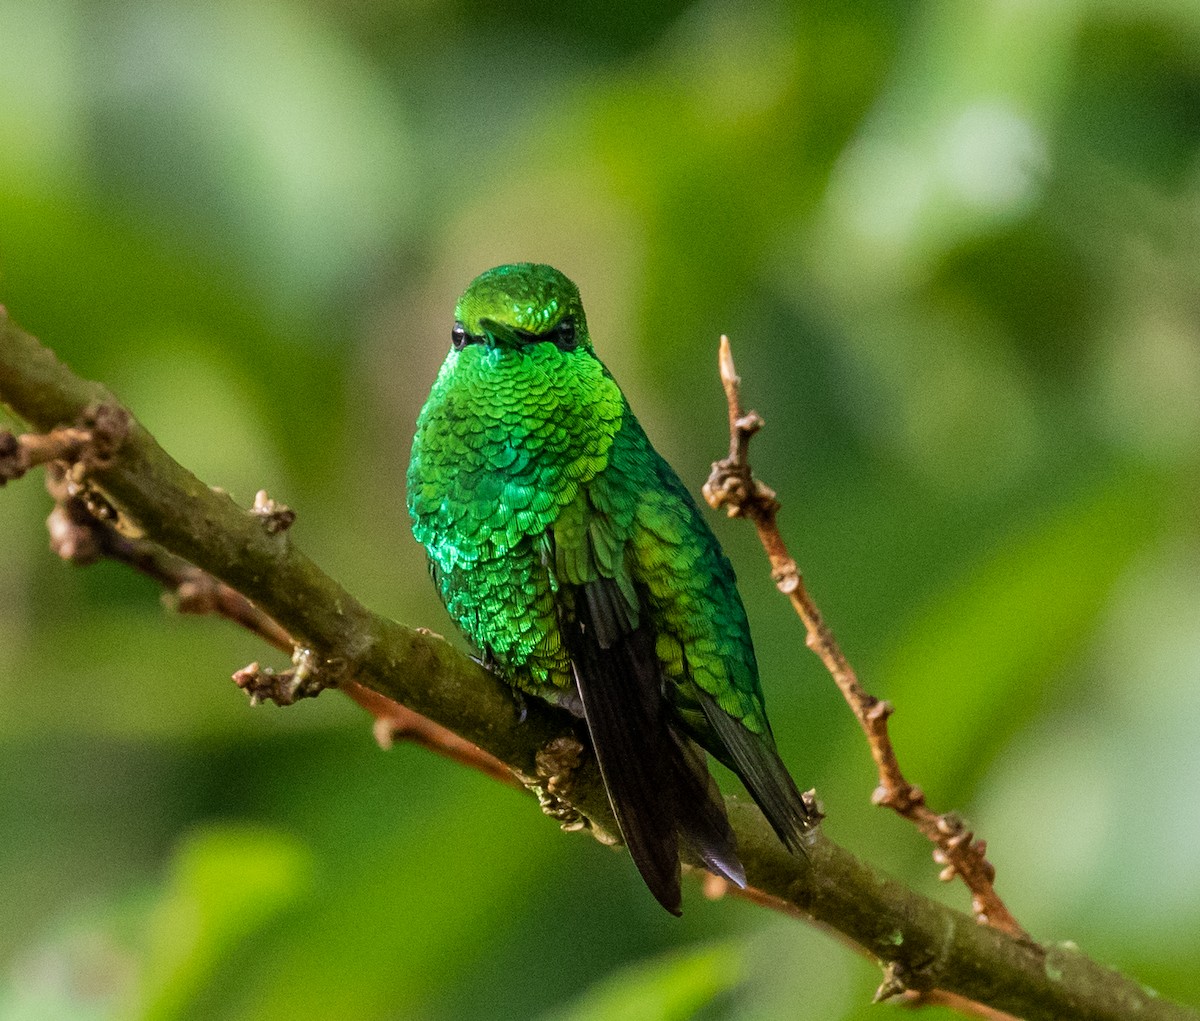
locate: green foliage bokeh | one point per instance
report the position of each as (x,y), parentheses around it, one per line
(955,246)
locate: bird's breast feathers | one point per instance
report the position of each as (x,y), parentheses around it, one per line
(505,443)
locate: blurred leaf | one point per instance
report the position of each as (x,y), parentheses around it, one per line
(202,408)
(412,889)
(40,121)
(293,159)
(955,146)
(151,958)
(1138,91)
(1109,840)
(974,666)
(108,296)
(226,883)
(81,973)
(674,987)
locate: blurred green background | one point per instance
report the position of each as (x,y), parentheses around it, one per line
(955,244)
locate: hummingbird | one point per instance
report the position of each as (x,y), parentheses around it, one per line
(576,562)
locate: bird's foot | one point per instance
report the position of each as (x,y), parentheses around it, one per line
(521,705)
(557,761)
(487,660)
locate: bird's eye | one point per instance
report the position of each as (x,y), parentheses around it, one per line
(564,335)
(458,337)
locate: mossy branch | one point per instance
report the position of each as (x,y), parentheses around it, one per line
(922,944)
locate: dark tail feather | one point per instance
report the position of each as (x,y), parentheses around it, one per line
(657,782)
(754,758)
(702,819)
(627,739)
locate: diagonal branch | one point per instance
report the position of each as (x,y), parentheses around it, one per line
(926,945)
(732,486)
(78,534)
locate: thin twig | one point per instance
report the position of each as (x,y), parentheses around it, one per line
(733,487)
(959,1004)
(394,721)
(18,454)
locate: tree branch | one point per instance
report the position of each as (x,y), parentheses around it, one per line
(76,534)
(924,944)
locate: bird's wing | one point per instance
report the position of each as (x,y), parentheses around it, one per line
(656,779)
(716,691)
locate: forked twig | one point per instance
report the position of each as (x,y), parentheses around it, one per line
(733,487)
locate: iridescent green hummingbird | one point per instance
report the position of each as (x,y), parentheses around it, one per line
(575,561)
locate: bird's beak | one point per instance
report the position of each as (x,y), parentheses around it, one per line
(500,335)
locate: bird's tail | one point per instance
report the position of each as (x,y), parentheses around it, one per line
(703,823)
(657,781)
(754,758)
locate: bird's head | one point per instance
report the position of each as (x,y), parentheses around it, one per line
(516,306)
